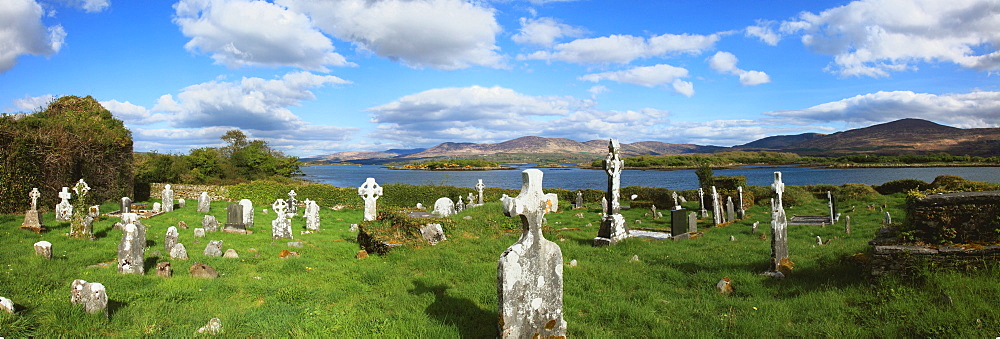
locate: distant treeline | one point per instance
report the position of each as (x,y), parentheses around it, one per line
(734,158)
(451,164)
(239,161)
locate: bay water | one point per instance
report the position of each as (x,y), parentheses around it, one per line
(579,178)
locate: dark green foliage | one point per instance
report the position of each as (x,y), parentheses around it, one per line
(72,138)
(240,160)
(900,186)
(725,183)
(452,164)
(855,192)
(954,183)
(704,173)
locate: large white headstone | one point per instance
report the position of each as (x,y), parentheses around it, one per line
(370,191)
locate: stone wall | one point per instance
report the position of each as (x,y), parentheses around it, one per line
(906,259)
(955,217)
(189,192)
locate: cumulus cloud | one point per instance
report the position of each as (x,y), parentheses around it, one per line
(132,114)
(94,6)
(584,125)
(252,103)
(623,49)
(764,30)
(648,76)
(544,31)
(31,104)
(22,32)
(725,62)
(441,34)
(968,110)
(875,37)
(232,31)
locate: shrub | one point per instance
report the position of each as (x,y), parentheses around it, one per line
(900,186)
(726,183)
(855,192)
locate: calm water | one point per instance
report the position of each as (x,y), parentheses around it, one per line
(577,178)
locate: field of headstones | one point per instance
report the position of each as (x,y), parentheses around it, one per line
(316,285)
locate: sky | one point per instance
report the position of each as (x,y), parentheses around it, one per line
(315,77)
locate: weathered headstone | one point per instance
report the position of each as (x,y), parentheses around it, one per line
(847,224)
(887,219)
(779,226)
(677,204)
(167,198)
(178,252)
(199,270)
(234,218)
(131,251)
(433,233)
(231,254)
(459,206)
(198,232)
(126,205)
(81,225)
(312,215)
(281,227)
(716,208)
(471,201)
(553,202)
(247,212)
(701,206)
(678,221)
(833,216)
(652,211)
(753,228)
(213,249)
(92,296)
(204,202)
(740,212)
(32,217)
(579,200)
(170,239)
(529,274)
(181,203)
(209,223)
(293,204)
(613,224)
(213,327)
(163,269)
(444,207)
(604,205)
(730,209)
(692,222)
(44,249)
(6,305)
(479,188)
(370,191)
(157,207)
(64,210)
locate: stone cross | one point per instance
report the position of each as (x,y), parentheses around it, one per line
(34,198)
(370,191)
(701,199)
(81,188)
(167,199)
(779,226)
(82,224)
(459,206)
(716,207)
(479,188)
(677,205)
(579,199)
(293,206)
(65,195)
(470,200)
(833,217)
(281,227)
(888,218)
(530,272)
(613,224)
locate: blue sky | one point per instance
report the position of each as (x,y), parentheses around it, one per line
(321,76)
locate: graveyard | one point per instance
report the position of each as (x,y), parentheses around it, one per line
(312,280)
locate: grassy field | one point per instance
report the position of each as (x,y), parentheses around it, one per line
(449,290)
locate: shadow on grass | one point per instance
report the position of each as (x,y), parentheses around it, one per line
(149,264)
(470,320)
(114,306)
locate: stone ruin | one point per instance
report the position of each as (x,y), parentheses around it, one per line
(613,227)
(530,272)
(960,230)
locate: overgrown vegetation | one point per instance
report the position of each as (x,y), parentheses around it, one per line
(72,138)
(238,161)
(450,164)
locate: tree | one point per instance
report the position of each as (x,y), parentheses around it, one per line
(704,173)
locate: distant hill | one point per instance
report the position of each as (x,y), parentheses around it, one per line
(902,137)
(891,138)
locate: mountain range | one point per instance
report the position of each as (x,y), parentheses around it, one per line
(903,136)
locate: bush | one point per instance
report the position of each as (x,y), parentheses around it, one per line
(855,192)
(954,183)
(900,186)
(725,183)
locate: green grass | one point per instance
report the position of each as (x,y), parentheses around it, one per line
(449,290)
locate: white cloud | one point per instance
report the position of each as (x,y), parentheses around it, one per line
(254,33)
(31,104)
(764,31)
(875,37)
(725,62)
(252,103)
(441,34)
(544,31)
(132,114)
(683,87)
(94,6)
(623,49)
(584,125)
(648,76)
(968,110)
(22,32)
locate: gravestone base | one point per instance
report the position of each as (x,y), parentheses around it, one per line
(33,221)
(612,231)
